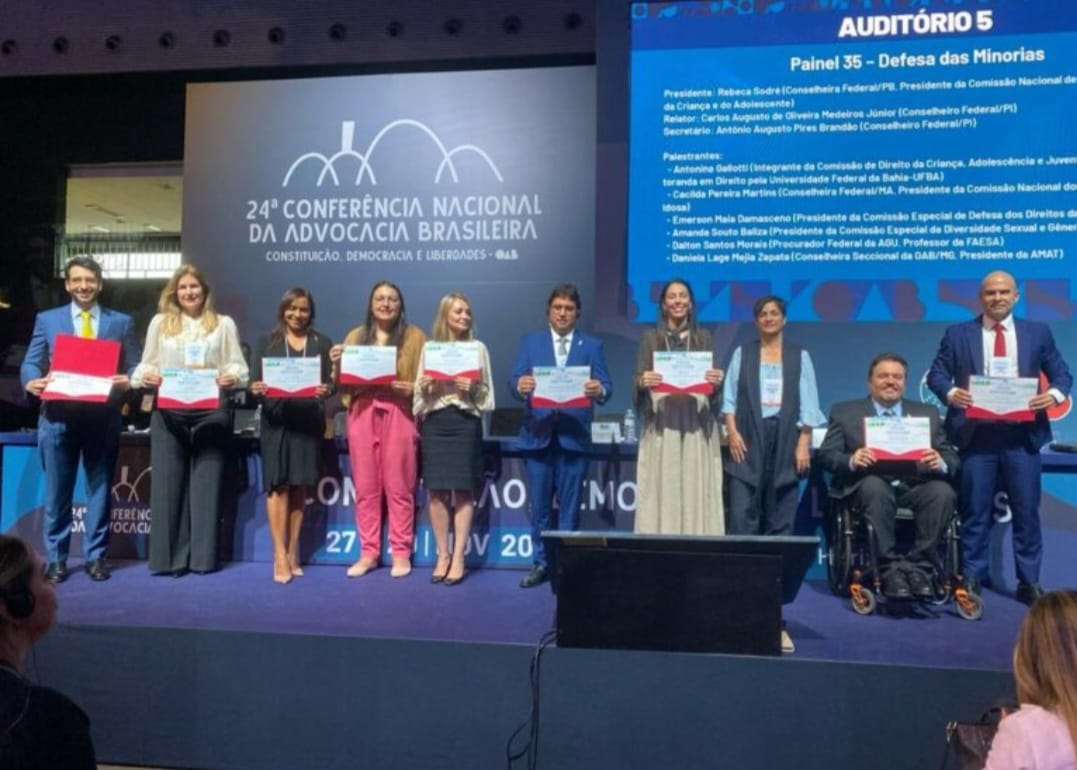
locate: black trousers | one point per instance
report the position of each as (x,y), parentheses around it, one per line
(932,504)
(188,452)
(764,509)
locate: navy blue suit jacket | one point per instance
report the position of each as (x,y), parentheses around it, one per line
(571,426)
(112,325)
(961,355)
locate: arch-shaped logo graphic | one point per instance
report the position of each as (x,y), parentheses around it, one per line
(327,164)
(127,490)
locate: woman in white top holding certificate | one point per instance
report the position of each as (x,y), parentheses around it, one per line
(191,353)
(376,367)
(454,389)
(291,371)
(679,472)
(771,405)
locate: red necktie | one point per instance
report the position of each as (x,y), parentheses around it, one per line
(1000,342)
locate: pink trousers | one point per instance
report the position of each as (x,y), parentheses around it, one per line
(382,442)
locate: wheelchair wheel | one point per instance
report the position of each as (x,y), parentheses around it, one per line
(837,566)
(863,600)
(969,605)
(839,556)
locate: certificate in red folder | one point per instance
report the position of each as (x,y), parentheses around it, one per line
(81,369)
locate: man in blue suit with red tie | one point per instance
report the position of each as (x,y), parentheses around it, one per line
(555,441)
(997,344)
(68,429)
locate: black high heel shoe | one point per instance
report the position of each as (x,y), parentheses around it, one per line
(452,581)
(435,577)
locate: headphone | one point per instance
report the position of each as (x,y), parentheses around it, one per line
(17,596)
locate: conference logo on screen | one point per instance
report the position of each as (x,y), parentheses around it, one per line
(326,165)
(408,195)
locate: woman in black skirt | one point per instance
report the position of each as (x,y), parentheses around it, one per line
(453,391)
(292,427)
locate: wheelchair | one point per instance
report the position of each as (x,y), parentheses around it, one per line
(853,562)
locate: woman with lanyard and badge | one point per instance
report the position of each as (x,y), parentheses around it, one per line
(771,404)
(679,471)
(291,429)
(198,349)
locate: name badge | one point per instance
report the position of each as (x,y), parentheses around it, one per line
(1000,366)
(194,355)
(772,391)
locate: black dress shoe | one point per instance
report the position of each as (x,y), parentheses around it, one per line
(56,571)
(919,583)
(1028,593)
(98,570)
(536,576)
(896,586)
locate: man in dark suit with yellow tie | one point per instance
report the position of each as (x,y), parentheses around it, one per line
(68,429)
(879,488)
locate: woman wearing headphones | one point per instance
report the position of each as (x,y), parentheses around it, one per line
(39,727)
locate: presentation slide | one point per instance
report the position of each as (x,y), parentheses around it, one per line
(869,160)
(479,182)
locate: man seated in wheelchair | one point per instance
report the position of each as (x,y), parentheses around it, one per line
(886,452)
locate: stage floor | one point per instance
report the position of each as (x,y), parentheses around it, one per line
(489,607)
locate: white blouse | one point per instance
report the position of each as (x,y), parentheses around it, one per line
(221,346)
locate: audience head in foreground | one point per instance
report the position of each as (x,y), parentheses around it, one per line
(1040,735)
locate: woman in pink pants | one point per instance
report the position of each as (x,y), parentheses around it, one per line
(382,438)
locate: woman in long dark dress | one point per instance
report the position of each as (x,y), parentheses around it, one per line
(292,429)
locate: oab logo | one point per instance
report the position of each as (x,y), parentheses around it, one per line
(329,167)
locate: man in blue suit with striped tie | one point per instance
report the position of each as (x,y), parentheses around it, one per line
(555,441)
(68,429)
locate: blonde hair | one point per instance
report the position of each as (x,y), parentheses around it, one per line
(1045,658)
(168,305)
(441,331)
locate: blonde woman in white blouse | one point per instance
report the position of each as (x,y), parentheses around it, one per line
(188,446)
(451,413)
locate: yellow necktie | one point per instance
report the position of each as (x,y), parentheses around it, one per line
(87,327)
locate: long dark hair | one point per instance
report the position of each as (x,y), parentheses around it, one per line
(367,331)
(690,323)
(290,296)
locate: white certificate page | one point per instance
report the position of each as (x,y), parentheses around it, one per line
(560,386)
(897,438)
(188,388)
(449,360)
(683,371)
(1002,398)
(368,364)
(292,377)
